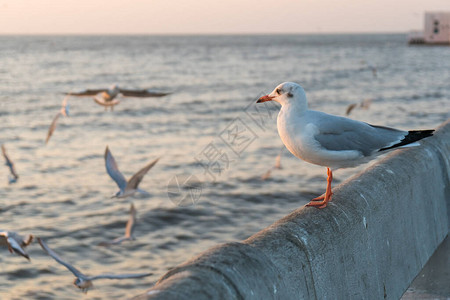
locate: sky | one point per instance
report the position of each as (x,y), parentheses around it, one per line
(213,16)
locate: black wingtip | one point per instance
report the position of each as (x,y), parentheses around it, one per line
(411,137)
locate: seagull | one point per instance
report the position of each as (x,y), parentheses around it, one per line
(266,175)
(277,165)
(8,162)
(365,104)
(331,141)
(128,230)
(64,111)
(65,106)
(106,103)
(83,281)
(278,160)
(52,127)
(15,242)
(371,67)
(127,188)
(106,97)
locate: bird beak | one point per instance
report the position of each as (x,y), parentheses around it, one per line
(265,99)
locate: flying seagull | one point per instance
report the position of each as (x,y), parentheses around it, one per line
(15,242)
(278,160)
(371,67)
(365,104)
(266,175)
(64,111)
(127,188)
(8,162)
(277,165)
(106,103)
(52,127)
(331,141)
(65,106)
(128,230)
(106,97)
(83,281)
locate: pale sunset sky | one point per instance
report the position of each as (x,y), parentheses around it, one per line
(212,16)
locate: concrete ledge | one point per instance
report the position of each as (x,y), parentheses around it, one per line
(369,243)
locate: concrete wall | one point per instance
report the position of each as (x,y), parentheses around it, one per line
(369,243)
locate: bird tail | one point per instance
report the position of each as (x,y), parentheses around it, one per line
(411,137)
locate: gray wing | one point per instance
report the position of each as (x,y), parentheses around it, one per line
(142,93)
(137,178)
(88,92)
(23,241)
(339,133)
(55,256)
(119,276)
(128,230)
(350,108)
(27,240)
(278,160)
(52,127)
(113,170)
(9,163)
(12,241)
(16,247)
(131,222)
(5,155)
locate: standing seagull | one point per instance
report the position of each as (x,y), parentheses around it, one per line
(13,177)
(15,242)
(331,141)
(127,188)
(128,230)
(82,281)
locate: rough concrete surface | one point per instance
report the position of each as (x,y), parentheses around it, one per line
(433,282)
(369,243)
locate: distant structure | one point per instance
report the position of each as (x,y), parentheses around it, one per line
(436,30)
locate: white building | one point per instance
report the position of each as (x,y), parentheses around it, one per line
(436,30)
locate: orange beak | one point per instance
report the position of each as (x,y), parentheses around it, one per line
(265,99)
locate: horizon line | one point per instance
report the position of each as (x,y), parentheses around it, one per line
(200,33)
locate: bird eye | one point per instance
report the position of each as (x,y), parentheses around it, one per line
(278,91)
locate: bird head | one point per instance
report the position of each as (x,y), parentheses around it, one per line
(287,93)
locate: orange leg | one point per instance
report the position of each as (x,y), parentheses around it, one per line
(326,197)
